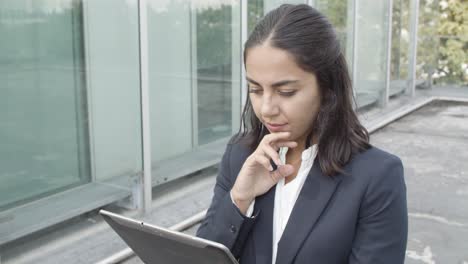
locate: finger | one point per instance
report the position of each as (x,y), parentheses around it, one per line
(281,172)
(289,144)
(271,154)
(273,137)
(264,161)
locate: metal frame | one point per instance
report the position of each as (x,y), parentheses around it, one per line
(89,98)
(193,73)
(144,185)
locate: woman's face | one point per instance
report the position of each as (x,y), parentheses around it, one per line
(281,92)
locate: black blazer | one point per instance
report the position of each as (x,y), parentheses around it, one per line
(356,218)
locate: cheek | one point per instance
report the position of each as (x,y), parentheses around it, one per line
(304,109)
(302,114)
(255,107)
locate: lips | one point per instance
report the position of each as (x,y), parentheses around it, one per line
(275,127)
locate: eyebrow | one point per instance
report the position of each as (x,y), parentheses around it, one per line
(276,84)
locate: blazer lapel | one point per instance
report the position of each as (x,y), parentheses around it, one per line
(312,200)
(263,231)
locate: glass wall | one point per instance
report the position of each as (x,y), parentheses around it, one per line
(400,46)
(340,13)
(217,34)
(371,50)
(194,74)
(70,127)
(43,121)
(112,62)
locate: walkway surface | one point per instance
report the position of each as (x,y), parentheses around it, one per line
(433,145)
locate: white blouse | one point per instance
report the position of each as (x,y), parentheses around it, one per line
(286,195)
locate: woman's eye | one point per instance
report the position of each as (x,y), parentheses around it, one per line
(282,93)
(287,93)
(253,90)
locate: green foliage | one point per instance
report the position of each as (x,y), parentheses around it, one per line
(453,28)
(443,41)
(255,13)
(214,38)
(400,40)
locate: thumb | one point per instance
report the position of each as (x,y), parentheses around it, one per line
(282,171)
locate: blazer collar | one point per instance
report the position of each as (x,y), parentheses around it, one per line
(312,200)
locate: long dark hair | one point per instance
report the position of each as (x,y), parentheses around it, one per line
(310,38)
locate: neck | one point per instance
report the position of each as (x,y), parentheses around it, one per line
(301,146)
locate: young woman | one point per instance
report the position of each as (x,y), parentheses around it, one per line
(300,183)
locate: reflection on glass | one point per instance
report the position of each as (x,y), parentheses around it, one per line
(192,73)
(400,46)
(255,13)
(43,120)
(170,77)
(214,72)
(113,85)
(338,13)
(371,54)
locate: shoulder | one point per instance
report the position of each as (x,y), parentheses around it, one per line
(374,159)
(376,170)
(238,150)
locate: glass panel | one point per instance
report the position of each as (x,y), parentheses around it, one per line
(255,13)
(340,14)
(43,121)
(170,77)
(400,46)
(194,73)
(214,72)
(371,55)
(70,109)
(428,43)
(114,88)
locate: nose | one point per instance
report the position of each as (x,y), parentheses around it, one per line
(269,107)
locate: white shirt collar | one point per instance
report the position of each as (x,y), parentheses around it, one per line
(308,155)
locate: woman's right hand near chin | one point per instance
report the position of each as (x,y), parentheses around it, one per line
(256,176)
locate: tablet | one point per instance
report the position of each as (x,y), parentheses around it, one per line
(155,244)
